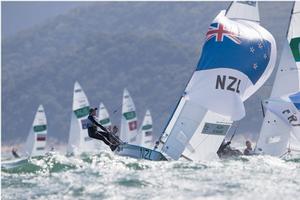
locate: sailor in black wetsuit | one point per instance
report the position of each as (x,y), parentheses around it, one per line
(104,135)
(225,150)
(14,153)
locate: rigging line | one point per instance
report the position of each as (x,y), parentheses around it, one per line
(237,126)
(263,109)
(290,19)
(284,154)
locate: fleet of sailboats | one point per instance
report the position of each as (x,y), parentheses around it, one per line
(237,58)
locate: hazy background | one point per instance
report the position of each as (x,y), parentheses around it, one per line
(150,48)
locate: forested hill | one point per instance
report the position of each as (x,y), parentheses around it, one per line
(149,48)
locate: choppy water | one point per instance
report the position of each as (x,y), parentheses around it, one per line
(107,176)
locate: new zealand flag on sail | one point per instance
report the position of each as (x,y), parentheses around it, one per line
(227,46)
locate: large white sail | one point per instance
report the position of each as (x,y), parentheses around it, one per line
(275,131)
(36,140)
(146,131)
(237,58)
(79,141)
(129,120)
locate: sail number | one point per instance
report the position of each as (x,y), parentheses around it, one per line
(230,83)
(291,117)
(146,153)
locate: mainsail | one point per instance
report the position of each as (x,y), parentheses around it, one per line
(36,140)
(237,58)
(129,120)
(79,141)
(146,134)
(276,129)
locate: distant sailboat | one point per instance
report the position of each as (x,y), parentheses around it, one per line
(129,126)
(282,119)
(146,132)
(104,120)
(79,141)
(36,140)
(237,58)
(103,116)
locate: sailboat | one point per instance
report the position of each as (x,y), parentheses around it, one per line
(104,120)
(36,140)
(129,134)
(237,58)
(129,126)
(35,145)
(282,119)
(146,132)
(79,141)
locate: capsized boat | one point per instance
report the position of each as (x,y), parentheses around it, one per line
(79,140)
(237,58)
(282,119)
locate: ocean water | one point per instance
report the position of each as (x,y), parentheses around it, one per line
(108,176)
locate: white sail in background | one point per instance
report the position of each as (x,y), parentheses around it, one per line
(36,140)
(129,120)
(104,120)
(237,58)
(79,141)
(146,132)
(275,131)
(103,116)
(244,10)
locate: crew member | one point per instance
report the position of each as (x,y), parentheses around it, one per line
(248,151)
(14,153)
(103,135)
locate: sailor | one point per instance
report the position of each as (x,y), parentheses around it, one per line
(248,151)
(103,135)
(14,153)
(225,150)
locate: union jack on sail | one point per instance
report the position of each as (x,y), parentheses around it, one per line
(219,31)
